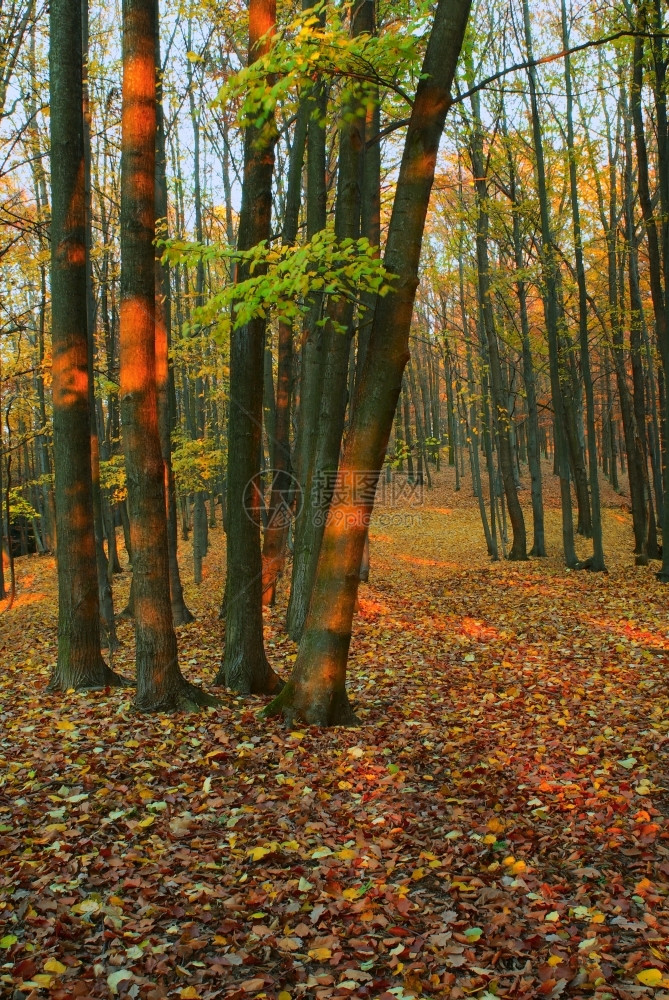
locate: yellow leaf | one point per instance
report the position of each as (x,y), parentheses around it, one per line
(489,838)
(147,821)
(320,954)
(517,867)
(189,993)
(552,917)
(417,874)
(53,965)
(42,980)
(350,893)
(87,906)
(346,854)
(65,726)
(509,861)
(495,825)
(283,995)
(650,977)
(554,960)
(256,853)
(582,751)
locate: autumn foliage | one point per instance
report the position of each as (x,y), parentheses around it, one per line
(496,827)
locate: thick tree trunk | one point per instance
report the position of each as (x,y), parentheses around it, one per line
(244,667)
(160,684)
(80,663)
(316,691)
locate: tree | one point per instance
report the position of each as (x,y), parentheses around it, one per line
(80,663)
(160,684)
(316,691)
(244,666)
(501,417)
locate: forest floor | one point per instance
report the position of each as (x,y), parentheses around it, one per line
(496,827)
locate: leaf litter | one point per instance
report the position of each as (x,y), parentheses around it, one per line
(496,827)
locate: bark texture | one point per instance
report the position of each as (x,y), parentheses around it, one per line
(160,684)
(316,691)
(80,663)
(245,667)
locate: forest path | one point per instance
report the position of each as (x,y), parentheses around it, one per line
(497,826)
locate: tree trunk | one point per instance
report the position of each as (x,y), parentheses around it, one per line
(502,420)
(316,691)
(282,498)
(160,684)
(337,335)
(549,267)
(80,663)
(244,667)
(596,563)
(181,615)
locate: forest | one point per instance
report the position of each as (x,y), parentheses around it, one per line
(334,494)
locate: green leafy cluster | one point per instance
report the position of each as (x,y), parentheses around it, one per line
(306,50)
(19,507)
(282,277)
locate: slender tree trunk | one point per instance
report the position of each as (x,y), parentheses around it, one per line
(529,376)
(408,439)
(337,335)
(283,484)
(181,615)
(244,667)
(312,360)
(658,256)
(549,266)
(518,549)
(596,563)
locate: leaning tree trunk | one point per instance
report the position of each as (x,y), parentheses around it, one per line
(80,663)
(316,691)
(160,684)
(245,667)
